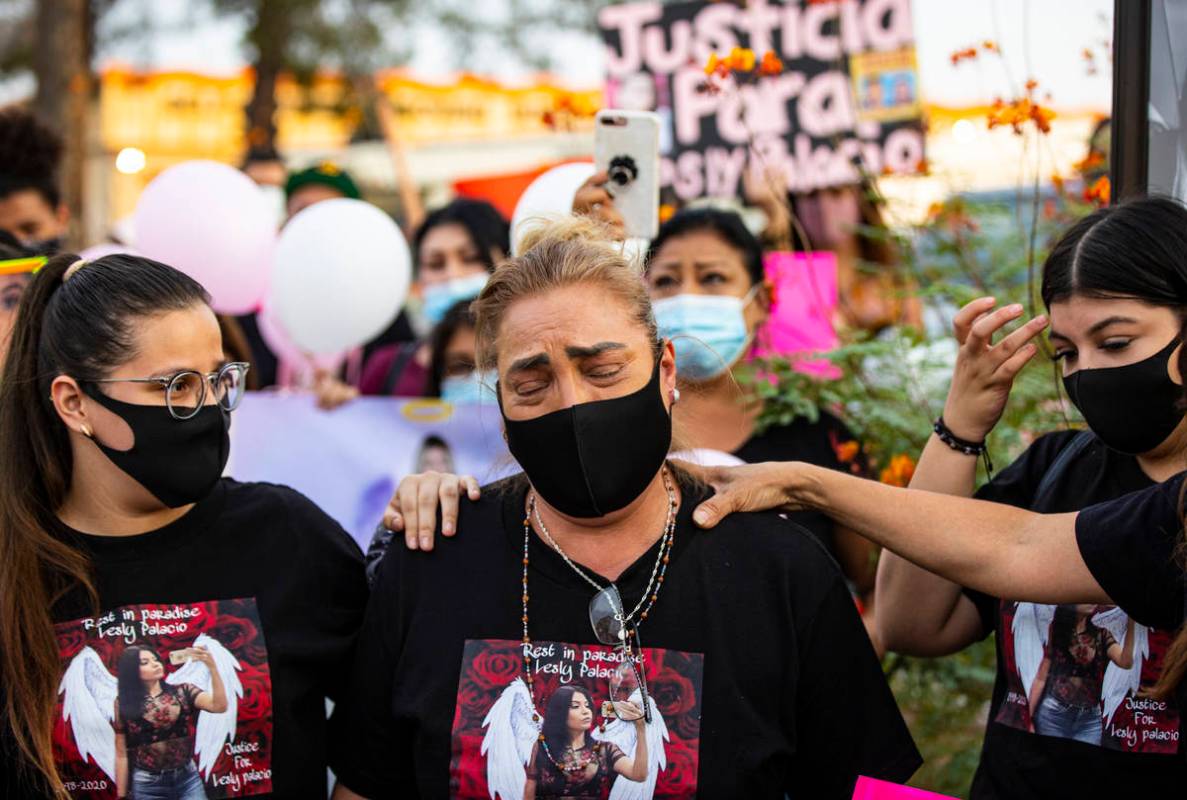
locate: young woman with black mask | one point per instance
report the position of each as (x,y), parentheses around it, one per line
(1110,287)
(116,530)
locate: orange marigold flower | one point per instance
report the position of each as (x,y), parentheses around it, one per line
(1018,112)
(967,54)
(1042,117)
(886,170)
(990,46)
(771,64)
(923,167)
(899,472)
(1094,159)
(1100,192)
(1057,182)
(1031,85)
(712,64)
(847,451)
(666,212)
(741,59)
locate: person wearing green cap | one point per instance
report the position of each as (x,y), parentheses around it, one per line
(324,181)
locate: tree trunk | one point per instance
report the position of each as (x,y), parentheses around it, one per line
(63,36)
(269,35)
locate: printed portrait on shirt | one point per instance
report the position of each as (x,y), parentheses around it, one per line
(1082,672)
(169,701)
(566,734)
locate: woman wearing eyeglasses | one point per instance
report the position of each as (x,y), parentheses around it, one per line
(118,531)
(735,665)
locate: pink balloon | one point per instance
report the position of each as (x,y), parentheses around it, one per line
(213,223)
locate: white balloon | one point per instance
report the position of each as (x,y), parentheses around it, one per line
(340,276)
(550,195)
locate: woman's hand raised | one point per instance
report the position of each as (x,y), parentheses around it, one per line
(413,508)
(984,371)
(593,199)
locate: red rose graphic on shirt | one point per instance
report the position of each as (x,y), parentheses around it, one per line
(497,669)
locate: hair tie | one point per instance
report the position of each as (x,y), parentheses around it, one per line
(73,268)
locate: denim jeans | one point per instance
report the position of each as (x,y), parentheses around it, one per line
(183,783)
(1069,722)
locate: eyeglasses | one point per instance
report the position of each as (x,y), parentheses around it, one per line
(185,391)
(610,626)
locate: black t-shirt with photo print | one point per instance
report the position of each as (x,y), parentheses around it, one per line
(1046,738)
(1134,548)
(273,589)
(827,442)
(763,681)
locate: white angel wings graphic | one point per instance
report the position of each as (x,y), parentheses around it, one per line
(1121,683)
(512,733)
(1032,621)
(89,696)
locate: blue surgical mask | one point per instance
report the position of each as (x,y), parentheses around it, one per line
(477,387)
(708,331)
(441,297)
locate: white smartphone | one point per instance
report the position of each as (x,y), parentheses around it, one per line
(626,146)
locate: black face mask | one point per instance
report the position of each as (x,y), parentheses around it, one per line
(592,459)
(45,247)
(178,461)
(1132,409)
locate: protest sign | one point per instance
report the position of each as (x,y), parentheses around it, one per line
(848,91)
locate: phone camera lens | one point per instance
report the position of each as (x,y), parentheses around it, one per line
(622,170)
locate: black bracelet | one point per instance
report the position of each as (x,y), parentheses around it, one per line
(963,445)
(955,442)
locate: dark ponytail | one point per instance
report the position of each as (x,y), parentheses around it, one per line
(1136,250)
(80,323)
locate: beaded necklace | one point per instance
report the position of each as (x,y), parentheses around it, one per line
(643,608)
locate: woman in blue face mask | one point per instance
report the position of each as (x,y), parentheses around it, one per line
(706,281)
(453,372)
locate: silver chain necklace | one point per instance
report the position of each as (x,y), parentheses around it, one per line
(660,559)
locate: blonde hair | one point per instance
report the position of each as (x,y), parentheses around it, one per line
(558,253)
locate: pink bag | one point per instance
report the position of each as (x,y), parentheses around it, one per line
(805,297)
(870,789)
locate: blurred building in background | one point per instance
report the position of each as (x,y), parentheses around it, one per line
(468,135)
